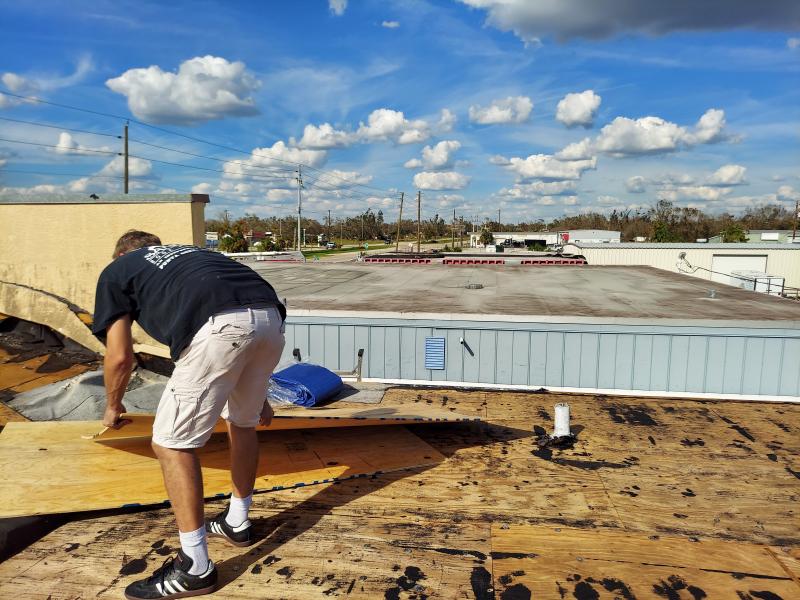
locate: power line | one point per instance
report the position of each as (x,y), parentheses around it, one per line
(248,175)
(60,127)
(183,135)
(69,150)
(52,173)
(222,160)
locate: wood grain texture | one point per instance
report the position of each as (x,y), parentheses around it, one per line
(51,469)
(651,474)
(141,425)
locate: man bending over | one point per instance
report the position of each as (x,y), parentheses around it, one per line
(223,324)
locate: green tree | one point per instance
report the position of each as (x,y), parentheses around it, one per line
(487,239)
(733,233)
(663,233)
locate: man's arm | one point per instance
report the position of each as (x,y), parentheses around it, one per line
(117,368)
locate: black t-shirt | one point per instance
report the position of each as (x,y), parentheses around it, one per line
(171,291)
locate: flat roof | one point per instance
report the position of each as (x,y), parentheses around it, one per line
(10,198)
(541,293)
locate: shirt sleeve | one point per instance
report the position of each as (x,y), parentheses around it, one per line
(110,303)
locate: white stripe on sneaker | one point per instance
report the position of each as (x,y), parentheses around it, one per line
(168,587)
(179,586)
(244,525)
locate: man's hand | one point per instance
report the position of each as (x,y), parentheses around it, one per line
(266,414)
(111,417)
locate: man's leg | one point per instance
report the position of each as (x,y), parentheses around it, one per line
(184,482)
(244,462)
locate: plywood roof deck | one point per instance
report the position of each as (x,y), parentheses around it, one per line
(658,499)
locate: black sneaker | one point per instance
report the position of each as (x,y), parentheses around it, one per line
(173,580)
(241,535)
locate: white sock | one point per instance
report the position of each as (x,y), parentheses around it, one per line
(195,546)
(238,509)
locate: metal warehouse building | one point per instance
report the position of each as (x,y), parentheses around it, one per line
(612,330)
(712,261)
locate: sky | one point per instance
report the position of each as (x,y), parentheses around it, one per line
(537,108)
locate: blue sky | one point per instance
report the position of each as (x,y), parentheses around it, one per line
(538,108)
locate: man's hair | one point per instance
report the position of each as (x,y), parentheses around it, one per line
(132,240)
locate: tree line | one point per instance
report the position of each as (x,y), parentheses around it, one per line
(663,222)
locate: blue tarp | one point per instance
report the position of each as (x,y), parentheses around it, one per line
(306,385)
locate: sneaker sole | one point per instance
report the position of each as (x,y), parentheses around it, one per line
(201,592)
(211,534)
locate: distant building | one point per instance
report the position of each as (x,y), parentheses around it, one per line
(548,238)
(714,261)
(772,236)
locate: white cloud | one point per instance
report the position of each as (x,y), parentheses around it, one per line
(390,24)
(441,180)
(635,184)
(324,136)
(388,124)
(449,200)
(437,157)
(608,200)
(335,179)
(787,193)
(709,128)
(34,84)
(578,109)
(337,7)
(202,188)
(67,145)
(538,189)
(693,192)
(280,156)
(137,167)
(653,135)
(205,88)
(727,175)
(500,160)
(446,121)
(19,84)
(582,150)
(514,109)
(567,19)
(793,43)
(277,195)
(544,166)
(3,162)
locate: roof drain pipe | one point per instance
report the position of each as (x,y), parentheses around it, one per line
(562,437)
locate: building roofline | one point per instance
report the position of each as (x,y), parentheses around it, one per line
(103,199)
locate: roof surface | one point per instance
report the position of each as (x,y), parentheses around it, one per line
(601,293)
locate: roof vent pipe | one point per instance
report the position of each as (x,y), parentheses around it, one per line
(561,427)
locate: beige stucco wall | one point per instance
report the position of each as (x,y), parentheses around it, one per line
(58,249)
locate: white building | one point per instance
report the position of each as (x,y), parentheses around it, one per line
(716,262)
(548,238)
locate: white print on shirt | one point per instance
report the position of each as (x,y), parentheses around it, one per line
(161,256)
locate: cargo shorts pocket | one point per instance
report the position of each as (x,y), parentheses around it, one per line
(187,404)
(231,331)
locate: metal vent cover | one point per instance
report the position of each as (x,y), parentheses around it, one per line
(434,353)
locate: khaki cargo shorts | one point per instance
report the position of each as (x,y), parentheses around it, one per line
(223,372)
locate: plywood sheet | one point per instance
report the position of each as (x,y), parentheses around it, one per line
(547,562)
(141,426)
(49,468)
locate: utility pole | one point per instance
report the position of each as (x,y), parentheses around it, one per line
(498,219)
(329,225)
(299,202)
(126,158)
(794,222)
(453,230)
(362,228)
(419,219)
(461,232)
(399,221)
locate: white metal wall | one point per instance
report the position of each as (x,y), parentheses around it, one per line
(781,262)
